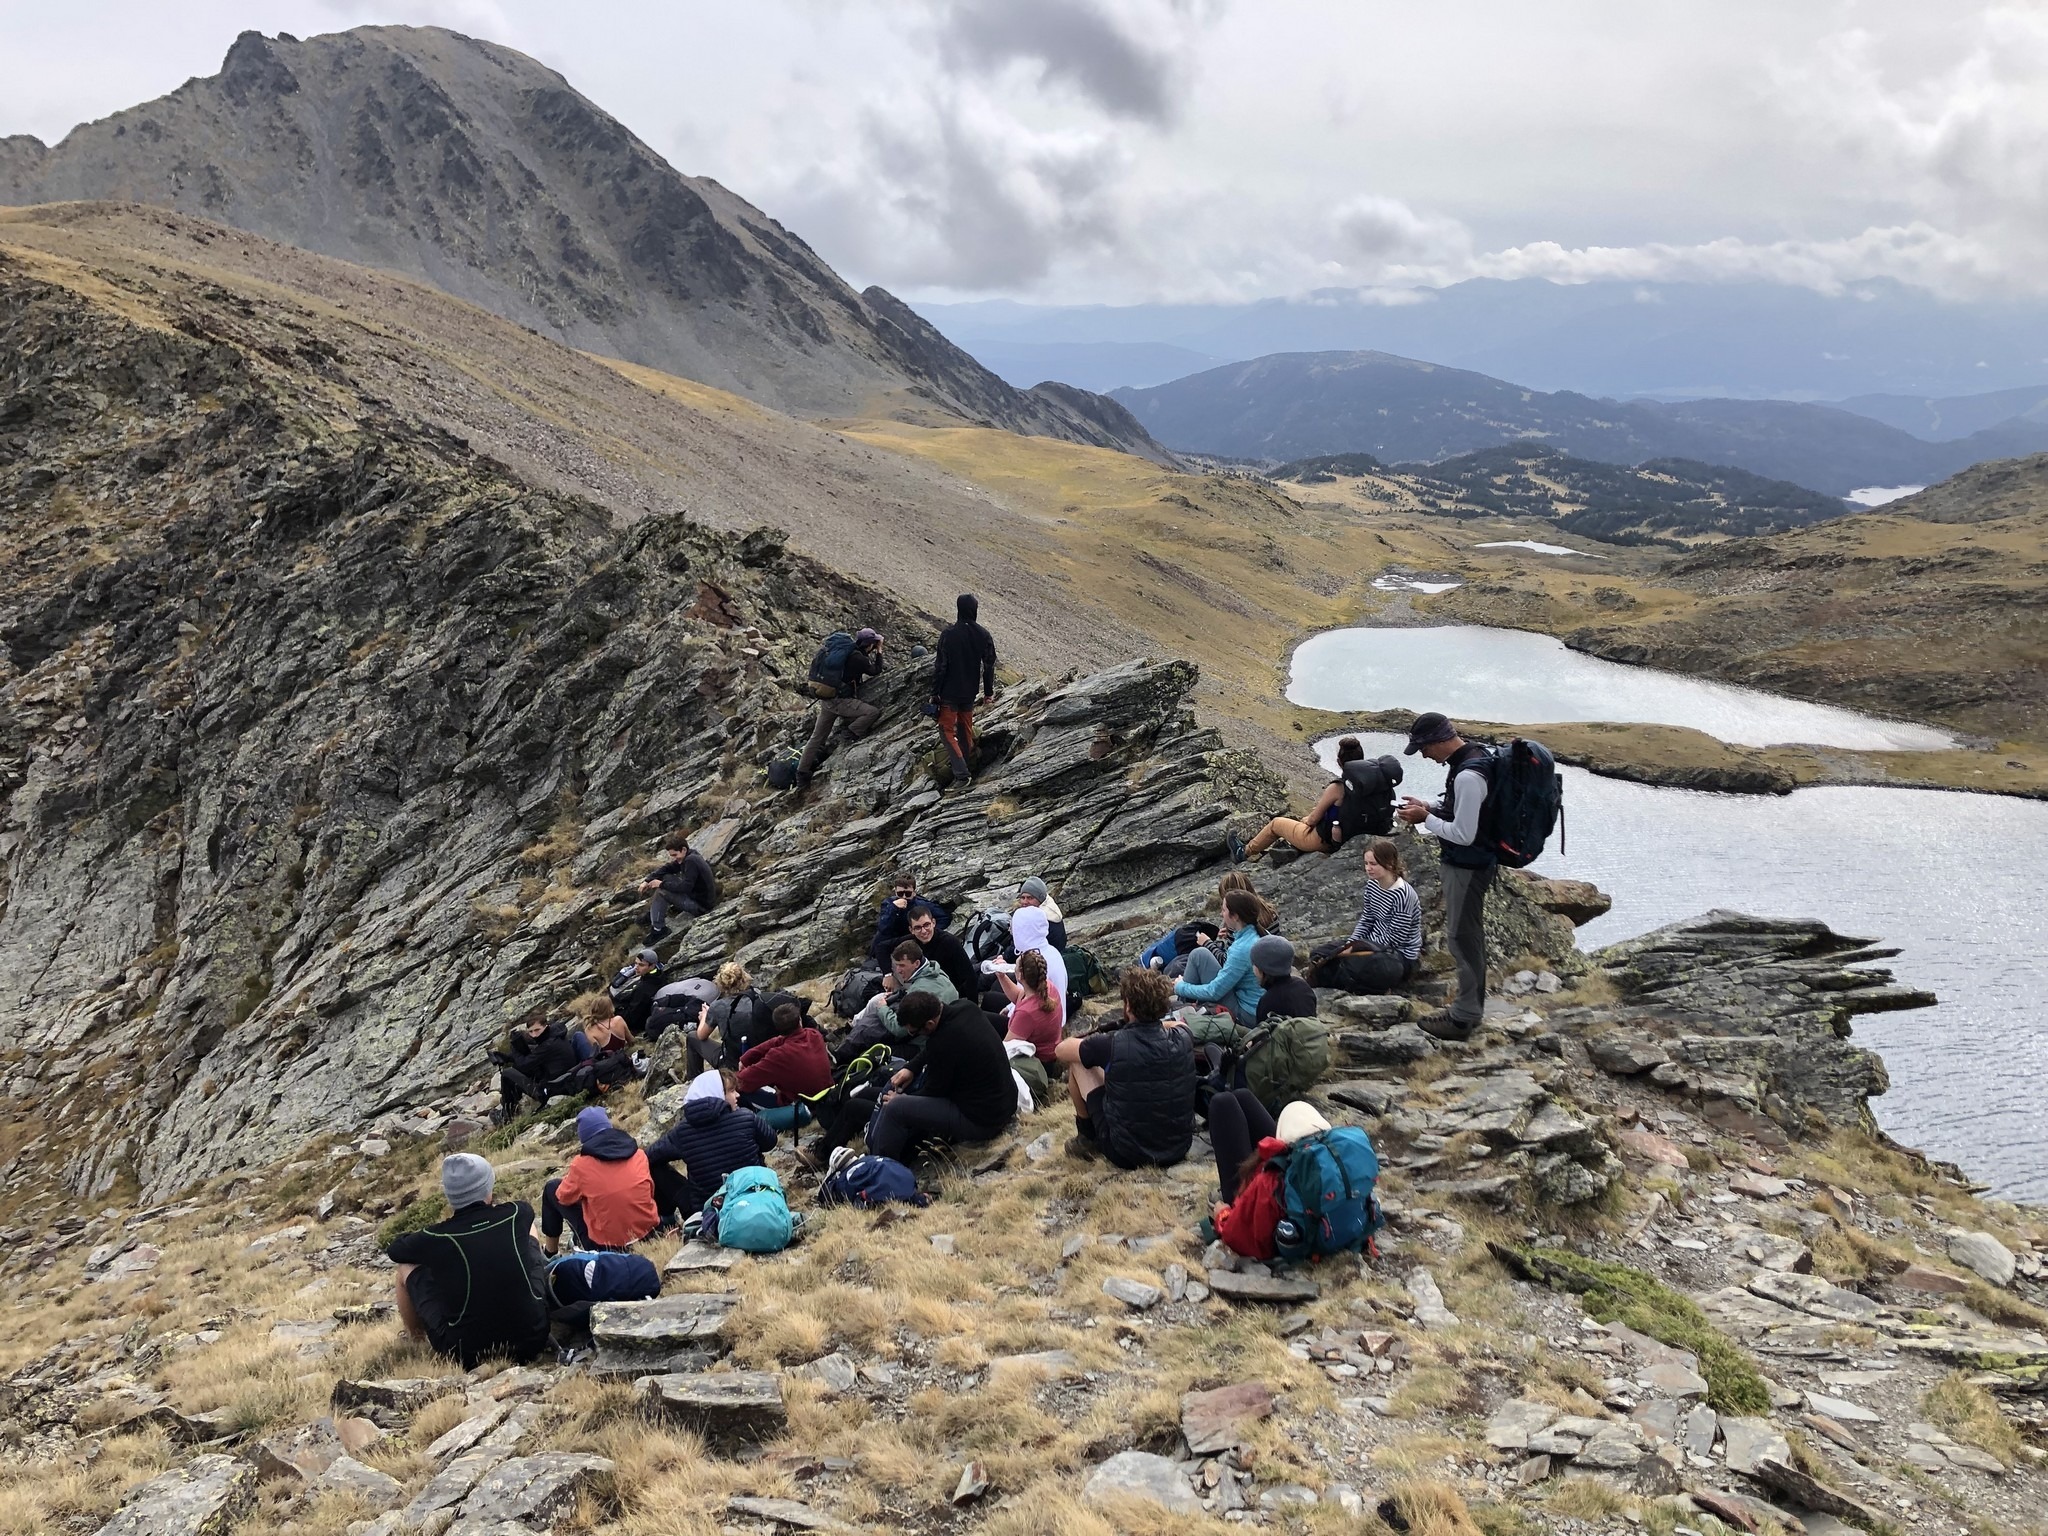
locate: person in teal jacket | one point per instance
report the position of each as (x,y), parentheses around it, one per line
(1233,983)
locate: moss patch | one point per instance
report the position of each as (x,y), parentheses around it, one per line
(1615,1293)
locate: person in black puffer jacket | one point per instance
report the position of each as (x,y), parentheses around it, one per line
(713,1137)
(537,1055)
(1133,1087)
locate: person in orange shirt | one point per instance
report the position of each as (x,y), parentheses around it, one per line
(607,1194)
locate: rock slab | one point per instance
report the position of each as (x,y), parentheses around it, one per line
(1139,1475)
(1985,1256)
(537,1491)
(1215,1421)
(798,1517)
(722,1405)
(202,1498)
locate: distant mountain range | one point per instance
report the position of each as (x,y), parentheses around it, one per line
(1301,404)
(1655,501)
(1670,341)
(473,168)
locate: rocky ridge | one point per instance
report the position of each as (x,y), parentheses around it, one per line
(470,166)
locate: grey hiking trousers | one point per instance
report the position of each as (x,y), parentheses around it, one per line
(859,715)
(1465,933)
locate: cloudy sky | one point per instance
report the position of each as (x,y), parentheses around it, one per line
(1126,150)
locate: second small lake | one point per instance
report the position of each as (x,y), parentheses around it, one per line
(1471,672)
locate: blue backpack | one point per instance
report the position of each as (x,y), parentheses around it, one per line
(578,1277)
(1328,1188)
(749,1213)
(871,1181)
(827,679)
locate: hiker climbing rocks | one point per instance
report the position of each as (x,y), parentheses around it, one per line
(607,1194)
(474,1285)
(1468,863)
(837,671)
(963,669)
(892,919)
(538,1054)
(1230,980)
(1381,953)
(1133,1085)
(684,884)
(1358,802)
(713,1137)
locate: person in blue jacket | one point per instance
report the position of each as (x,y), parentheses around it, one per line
(713,1137)
(1232,981)
(892,921)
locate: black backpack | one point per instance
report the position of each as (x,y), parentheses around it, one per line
(854,990)
(1524,801)
(827,679)
(1367,809)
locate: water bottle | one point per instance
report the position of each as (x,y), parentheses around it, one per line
(1286,1235)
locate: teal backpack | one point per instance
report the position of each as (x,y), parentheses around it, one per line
(751,1213)
(1328,1189)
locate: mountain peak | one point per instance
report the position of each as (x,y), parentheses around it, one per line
(470,166)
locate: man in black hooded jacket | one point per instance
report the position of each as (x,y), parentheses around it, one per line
(537,1054)
(963,670)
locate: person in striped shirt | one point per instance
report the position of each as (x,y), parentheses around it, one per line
(1381,953)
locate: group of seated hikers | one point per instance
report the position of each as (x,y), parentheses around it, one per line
(954,1045)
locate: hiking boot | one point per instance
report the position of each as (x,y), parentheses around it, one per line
(962,774)
(656,935)
(1444,1027)
(809,1161)
(1237,849)
(1084,1148)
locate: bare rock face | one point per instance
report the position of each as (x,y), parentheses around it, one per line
(470,166)
(202,1498)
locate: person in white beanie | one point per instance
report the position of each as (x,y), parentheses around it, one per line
(475,1285)
(1246,1140)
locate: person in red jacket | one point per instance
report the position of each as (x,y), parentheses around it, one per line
(606,1196)
(789,1064)
(1247,1141)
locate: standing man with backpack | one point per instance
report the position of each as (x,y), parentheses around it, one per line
(837,671)
(1457,821)
(963,669)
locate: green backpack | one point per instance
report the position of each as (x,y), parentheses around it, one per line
(1284,1058)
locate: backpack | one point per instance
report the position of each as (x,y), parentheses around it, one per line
(749,1213)
(863,1077)
(987,935)
(1284,1058)
(578,1277)
(782,773)
(871,1181)
(1524,801)
(1082,972)
(827,678)
(854,990)
(1328,1191)
(1367,809)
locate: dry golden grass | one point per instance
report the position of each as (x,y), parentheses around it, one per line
(1972,1415)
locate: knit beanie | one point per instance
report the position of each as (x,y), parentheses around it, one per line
(466,1179)
(1297,1120)
(1035,888)
(591,1122)
(1273,955)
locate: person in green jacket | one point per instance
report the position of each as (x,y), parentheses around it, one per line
(1232,982)
(909,971)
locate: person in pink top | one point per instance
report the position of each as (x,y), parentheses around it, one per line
(1035,1011)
